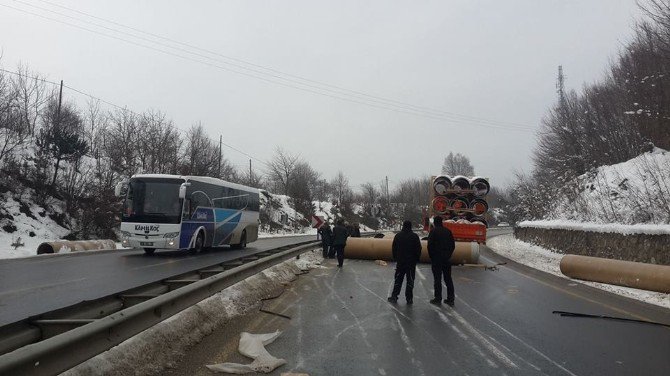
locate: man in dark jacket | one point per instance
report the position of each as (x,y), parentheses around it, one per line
(326,238)
(406,252)
(340,235)
(440,248)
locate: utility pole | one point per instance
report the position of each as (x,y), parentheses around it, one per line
(220,154)
(250,174)
(560,85)
(60,101)
(388,197)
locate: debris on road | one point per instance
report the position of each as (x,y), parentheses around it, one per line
(381,262)
(252,346)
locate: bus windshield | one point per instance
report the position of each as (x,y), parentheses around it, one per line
(153,201)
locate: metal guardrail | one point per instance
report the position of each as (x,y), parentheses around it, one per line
(62,352)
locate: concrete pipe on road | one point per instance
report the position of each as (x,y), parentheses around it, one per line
(616,272)
(380,249)
(75,246)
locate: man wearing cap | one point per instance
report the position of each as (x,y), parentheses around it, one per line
(441,246)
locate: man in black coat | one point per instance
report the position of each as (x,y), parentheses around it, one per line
(441,246)
(406,252)
(326,238)
(340,235)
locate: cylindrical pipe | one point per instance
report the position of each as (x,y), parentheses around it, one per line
(480,186)
(75,246)
(460,183)
(441,184)
(459,207)
(380,249)
(441,205)
(479,206)
(616,272)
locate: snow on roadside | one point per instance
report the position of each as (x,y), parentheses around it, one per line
(164,344)
(548,261)
(615,228)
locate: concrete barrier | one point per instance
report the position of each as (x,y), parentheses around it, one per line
(616,272)
(62,246)
(648,248)
(380,249)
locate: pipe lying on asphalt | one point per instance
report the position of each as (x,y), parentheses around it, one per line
(616,272)
(75,246)
(380,249)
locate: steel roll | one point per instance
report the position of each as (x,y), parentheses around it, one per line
(380,249)
(616,272)
(75,246)
(441,205)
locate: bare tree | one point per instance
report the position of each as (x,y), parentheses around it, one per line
(281,169)
(340,186)
(457,164)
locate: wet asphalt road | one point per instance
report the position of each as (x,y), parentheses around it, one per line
(35,285)
(341,324)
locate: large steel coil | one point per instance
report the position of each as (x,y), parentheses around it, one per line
(380,249)
(62,246)
(616,272)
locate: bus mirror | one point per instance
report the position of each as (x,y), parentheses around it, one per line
(121,188)
(182,190)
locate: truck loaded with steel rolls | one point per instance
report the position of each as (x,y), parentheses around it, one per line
(461,202)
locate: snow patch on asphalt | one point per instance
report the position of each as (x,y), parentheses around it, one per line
(164,344)
(549,261)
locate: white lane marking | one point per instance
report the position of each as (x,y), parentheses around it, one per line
(408,346)
(491,347)
(429,334)
(538,369)
(518,339)
(381,371)
(472,344)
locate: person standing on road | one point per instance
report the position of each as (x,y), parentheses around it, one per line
(406,250)
(340,235)
(326,238)
(441,246)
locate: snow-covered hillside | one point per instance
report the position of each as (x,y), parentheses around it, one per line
(635,191)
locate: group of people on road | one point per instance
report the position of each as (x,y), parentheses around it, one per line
(406,250)
(333,241)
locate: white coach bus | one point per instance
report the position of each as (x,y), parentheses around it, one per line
(186,212)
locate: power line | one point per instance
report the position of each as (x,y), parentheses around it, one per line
(381,102)
(178,130)
(389,101)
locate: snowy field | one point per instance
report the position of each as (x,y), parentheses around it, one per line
(544,259)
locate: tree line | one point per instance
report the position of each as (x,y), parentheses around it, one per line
(72,155)
(611,121)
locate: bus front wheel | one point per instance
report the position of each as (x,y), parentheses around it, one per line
(199,243)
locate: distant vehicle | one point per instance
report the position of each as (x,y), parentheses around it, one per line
(187,212)
(503,224)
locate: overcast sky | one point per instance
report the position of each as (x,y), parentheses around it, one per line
(494,60)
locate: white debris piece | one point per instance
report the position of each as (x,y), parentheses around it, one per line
(252,346)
